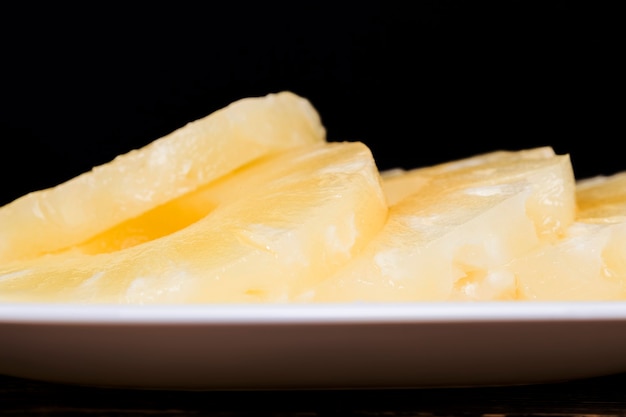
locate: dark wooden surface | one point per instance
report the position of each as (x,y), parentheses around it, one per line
(605,396)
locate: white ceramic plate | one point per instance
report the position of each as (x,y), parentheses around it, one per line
(313,347)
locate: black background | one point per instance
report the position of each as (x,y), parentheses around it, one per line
(419,82)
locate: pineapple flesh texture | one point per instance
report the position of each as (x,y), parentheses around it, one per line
(50,220)
(589,263)
(452,236)
(302,215)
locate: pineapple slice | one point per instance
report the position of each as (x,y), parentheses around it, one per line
(589,263)
(202,151)
(451,236)
(400,183)
(279,226)
(602,198)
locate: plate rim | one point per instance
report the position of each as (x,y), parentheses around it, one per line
(274,314)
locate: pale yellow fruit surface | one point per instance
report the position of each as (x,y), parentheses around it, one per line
(589,263)
(299,216)
(602,197)
(50,220)
(191,207)
(550,175)
(453,235)
(400,183)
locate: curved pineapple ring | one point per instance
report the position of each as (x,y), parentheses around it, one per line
(280,225)
(53,219)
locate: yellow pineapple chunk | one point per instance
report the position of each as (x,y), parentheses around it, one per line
(452,235)
(299,216)
(202,151)
(589,263)
(602,197)
(552,180)
(400,183)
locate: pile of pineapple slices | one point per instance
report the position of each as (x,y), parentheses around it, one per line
(251,204)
